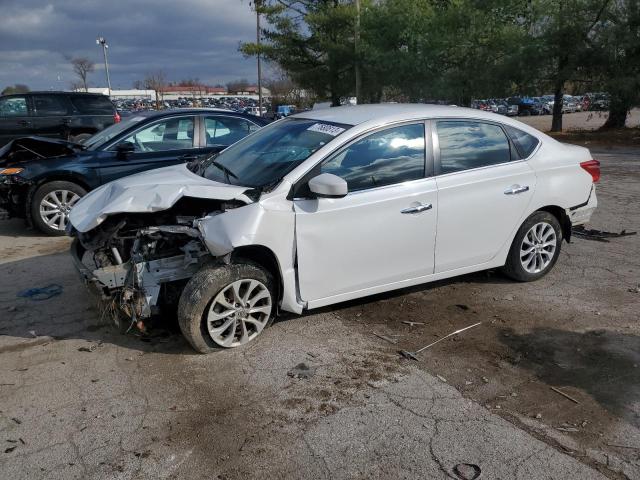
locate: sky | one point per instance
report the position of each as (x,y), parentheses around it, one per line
(183,38)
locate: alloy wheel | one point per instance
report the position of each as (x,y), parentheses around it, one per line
(239,312)
(538,247)
(55,208)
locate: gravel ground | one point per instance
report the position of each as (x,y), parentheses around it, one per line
(579,120)
(78,400)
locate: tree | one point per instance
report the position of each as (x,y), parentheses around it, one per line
(313,41)
(17,88)
(82,67)
(567,32)
(156,81)
(621,60)
(239,85)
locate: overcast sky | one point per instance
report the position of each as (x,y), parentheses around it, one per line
(184,38)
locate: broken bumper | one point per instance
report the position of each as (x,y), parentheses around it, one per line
(581,214)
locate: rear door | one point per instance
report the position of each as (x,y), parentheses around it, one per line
(483,191)
(15,120)
(51,115)
(161,143)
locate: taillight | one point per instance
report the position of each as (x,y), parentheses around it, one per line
(117,117)
(593,168)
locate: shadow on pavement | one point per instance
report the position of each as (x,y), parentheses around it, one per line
(602,363)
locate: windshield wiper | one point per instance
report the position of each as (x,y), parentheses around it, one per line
(226,171)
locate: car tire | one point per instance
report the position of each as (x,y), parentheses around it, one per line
(226,306)
(51,204)
(81,137)
(535,248)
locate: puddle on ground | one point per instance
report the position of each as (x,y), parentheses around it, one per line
(604,364)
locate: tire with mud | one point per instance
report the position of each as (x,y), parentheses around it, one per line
(535,248)
(226,306)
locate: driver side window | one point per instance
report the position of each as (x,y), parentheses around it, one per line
(169,134)
(391,156)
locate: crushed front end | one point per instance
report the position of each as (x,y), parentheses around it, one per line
(139,263)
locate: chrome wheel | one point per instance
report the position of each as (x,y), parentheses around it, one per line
(538,247)
(239,312)
(55,208)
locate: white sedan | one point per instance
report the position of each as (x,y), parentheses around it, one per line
(327,206)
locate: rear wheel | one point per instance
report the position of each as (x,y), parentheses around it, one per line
(226,306)
(51,205)
(535,248)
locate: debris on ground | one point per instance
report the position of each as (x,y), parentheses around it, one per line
(467,471)
(599,235)
(41,293)
(538,416)
(302,370)
(413,355)
(412,324)
(565,395)
(88,349)
(441,378)
(33,333)
(384,337)
(10,449)
(635,289)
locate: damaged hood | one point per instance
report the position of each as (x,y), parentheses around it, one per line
(151,191)
(36,148)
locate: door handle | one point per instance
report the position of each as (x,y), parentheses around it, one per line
(516,189)
(417,208)
(66,121)
(24,123)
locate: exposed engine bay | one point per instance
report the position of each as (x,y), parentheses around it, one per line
(140,261)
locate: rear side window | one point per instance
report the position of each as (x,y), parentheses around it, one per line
(467,144)
(391,156)
(525,143)
(13,107)
(92,104)
(49,105)
(227,130)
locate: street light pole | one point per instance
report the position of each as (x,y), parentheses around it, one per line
(102,41)
(257,5)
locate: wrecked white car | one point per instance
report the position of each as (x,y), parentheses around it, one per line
(328,206)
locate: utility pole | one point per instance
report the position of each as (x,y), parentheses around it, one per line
(102,41)
(257,4)
(357,53)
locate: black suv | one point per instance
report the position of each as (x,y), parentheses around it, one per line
(67,115)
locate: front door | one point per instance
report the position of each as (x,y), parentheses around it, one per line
(166,142)
(483,192)
(382,232)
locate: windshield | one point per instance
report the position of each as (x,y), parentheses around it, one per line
(108,133)
(263,158)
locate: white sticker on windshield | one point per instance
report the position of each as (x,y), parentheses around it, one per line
(326,128)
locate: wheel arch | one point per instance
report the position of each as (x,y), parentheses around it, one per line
(266,258)
(564,220)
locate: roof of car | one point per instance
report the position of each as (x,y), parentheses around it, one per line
(179,111)
(383,112)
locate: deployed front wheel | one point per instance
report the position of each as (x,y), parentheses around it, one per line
(535,248)
(225,306)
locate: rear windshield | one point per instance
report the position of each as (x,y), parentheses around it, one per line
(93,104)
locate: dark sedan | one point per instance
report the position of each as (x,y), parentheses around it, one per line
(41,179)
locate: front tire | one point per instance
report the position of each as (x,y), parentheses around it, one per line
(535,248)
(51,205)
(226,306)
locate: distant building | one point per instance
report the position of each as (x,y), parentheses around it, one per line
(123,94)
(193,90)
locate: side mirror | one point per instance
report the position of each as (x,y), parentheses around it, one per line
(328,185)
(125,148)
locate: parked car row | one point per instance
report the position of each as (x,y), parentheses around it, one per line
(41,178)
(525,106)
